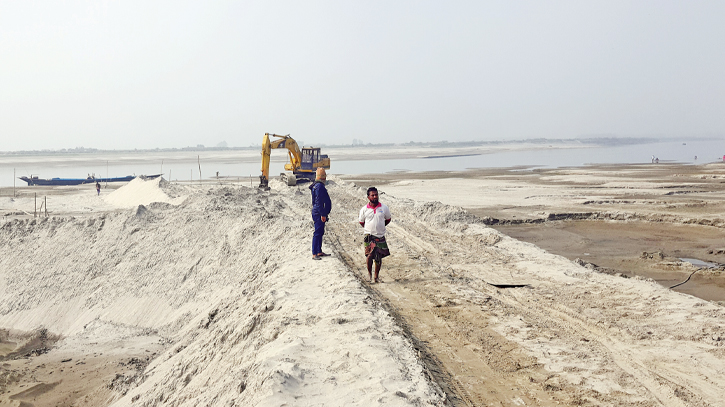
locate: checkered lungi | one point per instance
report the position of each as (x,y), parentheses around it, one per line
(376,247)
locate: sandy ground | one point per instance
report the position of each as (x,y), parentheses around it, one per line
(632,220)
(214,285)
(178,295)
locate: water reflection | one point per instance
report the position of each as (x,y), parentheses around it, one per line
(211,163)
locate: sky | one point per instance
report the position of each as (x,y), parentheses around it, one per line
(171,74)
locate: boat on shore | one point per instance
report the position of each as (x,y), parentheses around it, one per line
(34,180)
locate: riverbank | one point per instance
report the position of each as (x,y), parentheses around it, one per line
(626,219)
(174,294)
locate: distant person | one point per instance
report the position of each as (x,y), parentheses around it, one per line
(321,206)
(657,160)
(653,159)
(374,217)
(98,188)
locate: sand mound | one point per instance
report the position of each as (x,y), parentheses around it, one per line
(140,192)
(216,301)
(225,285)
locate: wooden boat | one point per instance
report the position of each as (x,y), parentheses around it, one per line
(34,180)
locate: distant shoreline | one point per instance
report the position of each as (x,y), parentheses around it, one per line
(604,141)
(359,159)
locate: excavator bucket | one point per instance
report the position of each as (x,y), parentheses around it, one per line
(289,178)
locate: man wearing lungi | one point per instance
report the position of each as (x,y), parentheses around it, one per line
(374,217)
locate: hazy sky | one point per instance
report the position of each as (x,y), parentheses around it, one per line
(146,74)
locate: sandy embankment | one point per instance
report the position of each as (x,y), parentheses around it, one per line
(214,301)
(221,291)
(511,324)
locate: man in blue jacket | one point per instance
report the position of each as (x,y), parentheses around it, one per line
(321,206)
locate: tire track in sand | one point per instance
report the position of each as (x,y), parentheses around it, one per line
(476,338)
(472,363)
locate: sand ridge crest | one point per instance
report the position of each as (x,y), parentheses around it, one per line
(222,291)
(222,288)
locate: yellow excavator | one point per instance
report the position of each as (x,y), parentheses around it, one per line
(302,164)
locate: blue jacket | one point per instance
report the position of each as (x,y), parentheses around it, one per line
(321,204)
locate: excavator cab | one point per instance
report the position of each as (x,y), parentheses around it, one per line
(309,157)
(311,160)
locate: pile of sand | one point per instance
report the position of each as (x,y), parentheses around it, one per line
(140,192)
(220,289)
(214,299)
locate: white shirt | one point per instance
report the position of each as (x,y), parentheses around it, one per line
(374,218)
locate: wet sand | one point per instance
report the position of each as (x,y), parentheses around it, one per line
(619,246)
(42,374)
(607,215)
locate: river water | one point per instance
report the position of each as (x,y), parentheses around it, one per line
(245,164)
